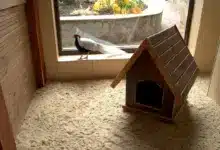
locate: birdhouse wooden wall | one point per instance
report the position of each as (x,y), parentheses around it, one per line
(144,69)
(160,74)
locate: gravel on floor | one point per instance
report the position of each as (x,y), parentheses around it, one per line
(88,115)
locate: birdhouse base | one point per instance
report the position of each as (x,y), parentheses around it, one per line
(145,110)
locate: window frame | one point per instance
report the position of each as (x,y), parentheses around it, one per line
(70,67)
(67,52)
(62,52)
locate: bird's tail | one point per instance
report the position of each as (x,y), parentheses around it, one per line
(106,49)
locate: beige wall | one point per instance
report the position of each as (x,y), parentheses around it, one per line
(205,32)
(16,70)
(195,26)
(215,79)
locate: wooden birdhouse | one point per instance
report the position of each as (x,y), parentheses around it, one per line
(159,75)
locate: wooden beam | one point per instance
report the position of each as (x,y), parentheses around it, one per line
(36,42)
(7,141)
(189,20)
(57,22)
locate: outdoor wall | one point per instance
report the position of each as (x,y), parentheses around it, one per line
(117,29)
(126,30)
(16,70)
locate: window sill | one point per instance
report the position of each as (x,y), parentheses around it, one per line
(67,51)
(96,66)
(94,57)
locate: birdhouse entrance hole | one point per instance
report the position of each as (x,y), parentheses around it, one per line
(149,93)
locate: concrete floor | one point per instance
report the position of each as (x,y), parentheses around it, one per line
(88,115)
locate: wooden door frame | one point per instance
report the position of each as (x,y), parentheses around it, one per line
(36,42)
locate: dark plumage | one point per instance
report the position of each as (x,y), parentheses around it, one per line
(79,46)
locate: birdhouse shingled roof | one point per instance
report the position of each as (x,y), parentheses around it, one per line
(171,56)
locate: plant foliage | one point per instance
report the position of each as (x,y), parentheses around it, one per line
(119,6)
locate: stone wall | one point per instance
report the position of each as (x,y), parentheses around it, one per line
(16,70)
(117,31)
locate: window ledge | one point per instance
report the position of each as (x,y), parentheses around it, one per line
(94,57)
(66,51)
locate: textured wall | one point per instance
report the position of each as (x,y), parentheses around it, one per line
(16,71)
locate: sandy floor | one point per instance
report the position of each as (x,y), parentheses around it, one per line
(88,115)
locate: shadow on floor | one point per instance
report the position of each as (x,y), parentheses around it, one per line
(160,135)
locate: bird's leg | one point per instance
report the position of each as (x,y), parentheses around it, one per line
(87,55)
(81,57)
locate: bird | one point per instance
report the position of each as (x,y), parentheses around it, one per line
(86,45)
